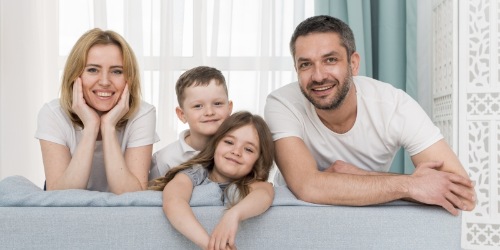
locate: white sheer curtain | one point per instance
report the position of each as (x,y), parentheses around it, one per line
(28,78)
(246,40)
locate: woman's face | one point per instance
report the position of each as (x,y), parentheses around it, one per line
(103,79)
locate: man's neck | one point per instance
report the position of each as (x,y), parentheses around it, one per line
(342,119)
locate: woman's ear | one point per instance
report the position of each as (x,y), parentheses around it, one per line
(180,114)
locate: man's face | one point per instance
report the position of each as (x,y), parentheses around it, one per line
(323,69)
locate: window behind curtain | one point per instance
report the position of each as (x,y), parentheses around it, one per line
(246,40)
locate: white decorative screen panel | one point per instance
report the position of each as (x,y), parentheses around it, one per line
(478,104)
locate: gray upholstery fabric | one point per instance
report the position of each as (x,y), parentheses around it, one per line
(291,225)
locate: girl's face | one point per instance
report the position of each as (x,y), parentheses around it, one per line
(236,154)
(103,79)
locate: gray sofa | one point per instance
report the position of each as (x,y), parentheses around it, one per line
(78,219)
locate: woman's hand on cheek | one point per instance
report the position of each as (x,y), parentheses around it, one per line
(112,117)
(87,115)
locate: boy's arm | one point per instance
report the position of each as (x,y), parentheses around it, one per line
(176,196)
(256,202)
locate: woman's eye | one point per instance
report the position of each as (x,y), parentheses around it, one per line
(91,70)
(117,72)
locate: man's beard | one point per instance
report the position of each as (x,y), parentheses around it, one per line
(342,91)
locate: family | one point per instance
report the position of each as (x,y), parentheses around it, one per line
(332,134)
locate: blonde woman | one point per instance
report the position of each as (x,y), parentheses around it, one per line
(99,134)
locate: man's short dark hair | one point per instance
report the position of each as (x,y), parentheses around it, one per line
(325,24)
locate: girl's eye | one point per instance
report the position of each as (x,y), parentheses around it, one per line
(228,142)
(249,150)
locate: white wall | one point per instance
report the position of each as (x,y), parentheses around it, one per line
(28,52)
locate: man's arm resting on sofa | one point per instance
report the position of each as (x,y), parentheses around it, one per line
(309,184)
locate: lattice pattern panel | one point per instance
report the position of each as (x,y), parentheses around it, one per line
(443,48)
(479,43)
(486,105)
(443,69)
(483,234)
(479,165)
(481,227)
(443,117)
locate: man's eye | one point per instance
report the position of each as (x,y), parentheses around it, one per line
(304,65)
(331,59)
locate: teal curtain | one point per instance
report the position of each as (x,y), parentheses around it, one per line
(385,33)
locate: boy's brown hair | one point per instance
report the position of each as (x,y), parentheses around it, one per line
(201,75)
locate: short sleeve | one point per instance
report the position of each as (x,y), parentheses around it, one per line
(197,174)
(418,132)
(51,125)
(141,130)
(282,116)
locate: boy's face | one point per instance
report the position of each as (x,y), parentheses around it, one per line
(204,108)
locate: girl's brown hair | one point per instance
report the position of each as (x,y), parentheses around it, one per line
(75,64)
(260,170)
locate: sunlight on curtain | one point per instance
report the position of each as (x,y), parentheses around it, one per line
(246,40)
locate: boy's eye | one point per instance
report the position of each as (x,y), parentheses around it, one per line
(219,103)
(197,106)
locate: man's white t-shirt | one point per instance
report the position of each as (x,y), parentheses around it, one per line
(387,119)
(55,126)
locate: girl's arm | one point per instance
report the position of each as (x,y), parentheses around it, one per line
(255,203)
(124,173)
(176,196)
(63,171)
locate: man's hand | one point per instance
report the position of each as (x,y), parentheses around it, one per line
(448,190)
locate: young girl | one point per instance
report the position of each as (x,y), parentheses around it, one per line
(238,158)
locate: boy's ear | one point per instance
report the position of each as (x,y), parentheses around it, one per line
(180,114)
(230,107)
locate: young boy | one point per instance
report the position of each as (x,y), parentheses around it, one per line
(204,104)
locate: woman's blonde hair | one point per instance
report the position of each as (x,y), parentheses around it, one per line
(75,65)
(260,170)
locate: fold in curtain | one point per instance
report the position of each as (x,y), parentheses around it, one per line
(385,33)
